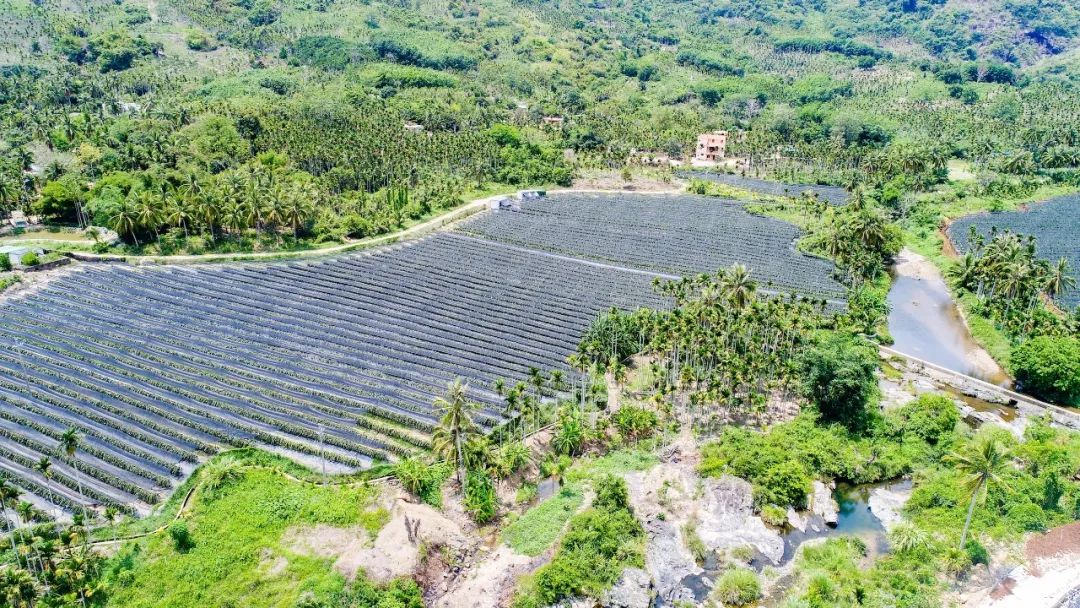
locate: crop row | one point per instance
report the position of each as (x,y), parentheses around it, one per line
(830,194)
(672,235)
(340,359)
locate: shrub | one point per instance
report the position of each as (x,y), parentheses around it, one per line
(928,417)
(786,483)
(198,40)
(1028,516)
(181,536)
(694,543)
(838,377)
(480,499)
(635,422)
(774,515)
(5,263)
(1049,368)
(738,587)
(611,493)
(30,259)
(598,545)
(423,480)
(977,553)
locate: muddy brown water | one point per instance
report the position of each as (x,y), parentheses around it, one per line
(925,323)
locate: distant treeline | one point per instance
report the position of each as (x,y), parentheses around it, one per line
(849,48)
(333,53)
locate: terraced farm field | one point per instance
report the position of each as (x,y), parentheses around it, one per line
(672,234)
(1055,224)
(341,358)
(830,194)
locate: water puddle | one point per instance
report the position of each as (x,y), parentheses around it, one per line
(925,322)
(853,519)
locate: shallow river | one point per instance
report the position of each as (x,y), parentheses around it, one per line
(925,323)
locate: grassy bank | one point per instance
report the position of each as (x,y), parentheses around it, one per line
(227,551)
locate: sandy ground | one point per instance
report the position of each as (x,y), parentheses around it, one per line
(614,181)
(391,554)
(1051,571)
(490,582)
(33,282)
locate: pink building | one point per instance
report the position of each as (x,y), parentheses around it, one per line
(711,147)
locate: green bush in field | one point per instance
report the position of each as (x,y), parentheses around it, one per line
(929,417)
(838,378)
(599,544)
(1049,368)
(481,502)
(181,536)
(737,587)
(30,259)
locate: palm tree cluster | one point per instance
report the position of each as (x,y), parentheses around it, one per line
(263,196)
(860,237)
(51,564)
(524,401)
(723,345)
(1006,275)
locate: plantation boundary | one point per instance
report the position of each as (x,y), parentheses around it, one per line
(431,225)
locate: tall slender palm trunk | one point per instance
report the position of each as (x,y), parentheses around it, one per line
(967,520)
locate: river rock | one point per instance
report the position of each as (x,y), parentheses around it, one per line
(797,520)
(667,558)
(728,520)
(822,503)
(887,503)
(633,590)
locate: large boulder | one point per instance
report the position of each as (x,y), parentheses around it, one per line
(633,590)
(887,503)
(728,521)
(822,503)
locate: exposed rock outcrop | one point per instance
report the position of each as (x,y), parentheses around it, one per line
(728,520)
(633,590)
(822,503)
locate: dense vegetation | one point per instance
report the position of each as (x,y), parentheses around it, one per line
(256,124)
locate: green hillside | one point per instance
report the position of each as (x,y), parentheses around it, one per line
(157,115)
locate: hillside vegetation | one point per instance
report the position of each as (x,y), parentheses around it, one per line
(195,126)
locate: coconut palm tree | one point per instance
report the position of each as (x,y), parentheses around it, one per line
(739,286)
(44,466)
(455,426)
(983,463)
(69,443)
(1059,280)
(126,219)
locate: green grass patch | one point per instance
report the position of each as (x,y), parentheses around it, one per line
(8,281)
(541,525)
(236,557)
(615,463)
(244,457)
(985,331)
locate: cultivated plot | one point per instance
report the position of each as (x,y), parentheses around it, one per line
(1055,224)
(669,234)
(337,361)
(830,194)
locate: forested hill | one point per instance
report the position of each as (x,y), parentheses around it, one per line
(106,101)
